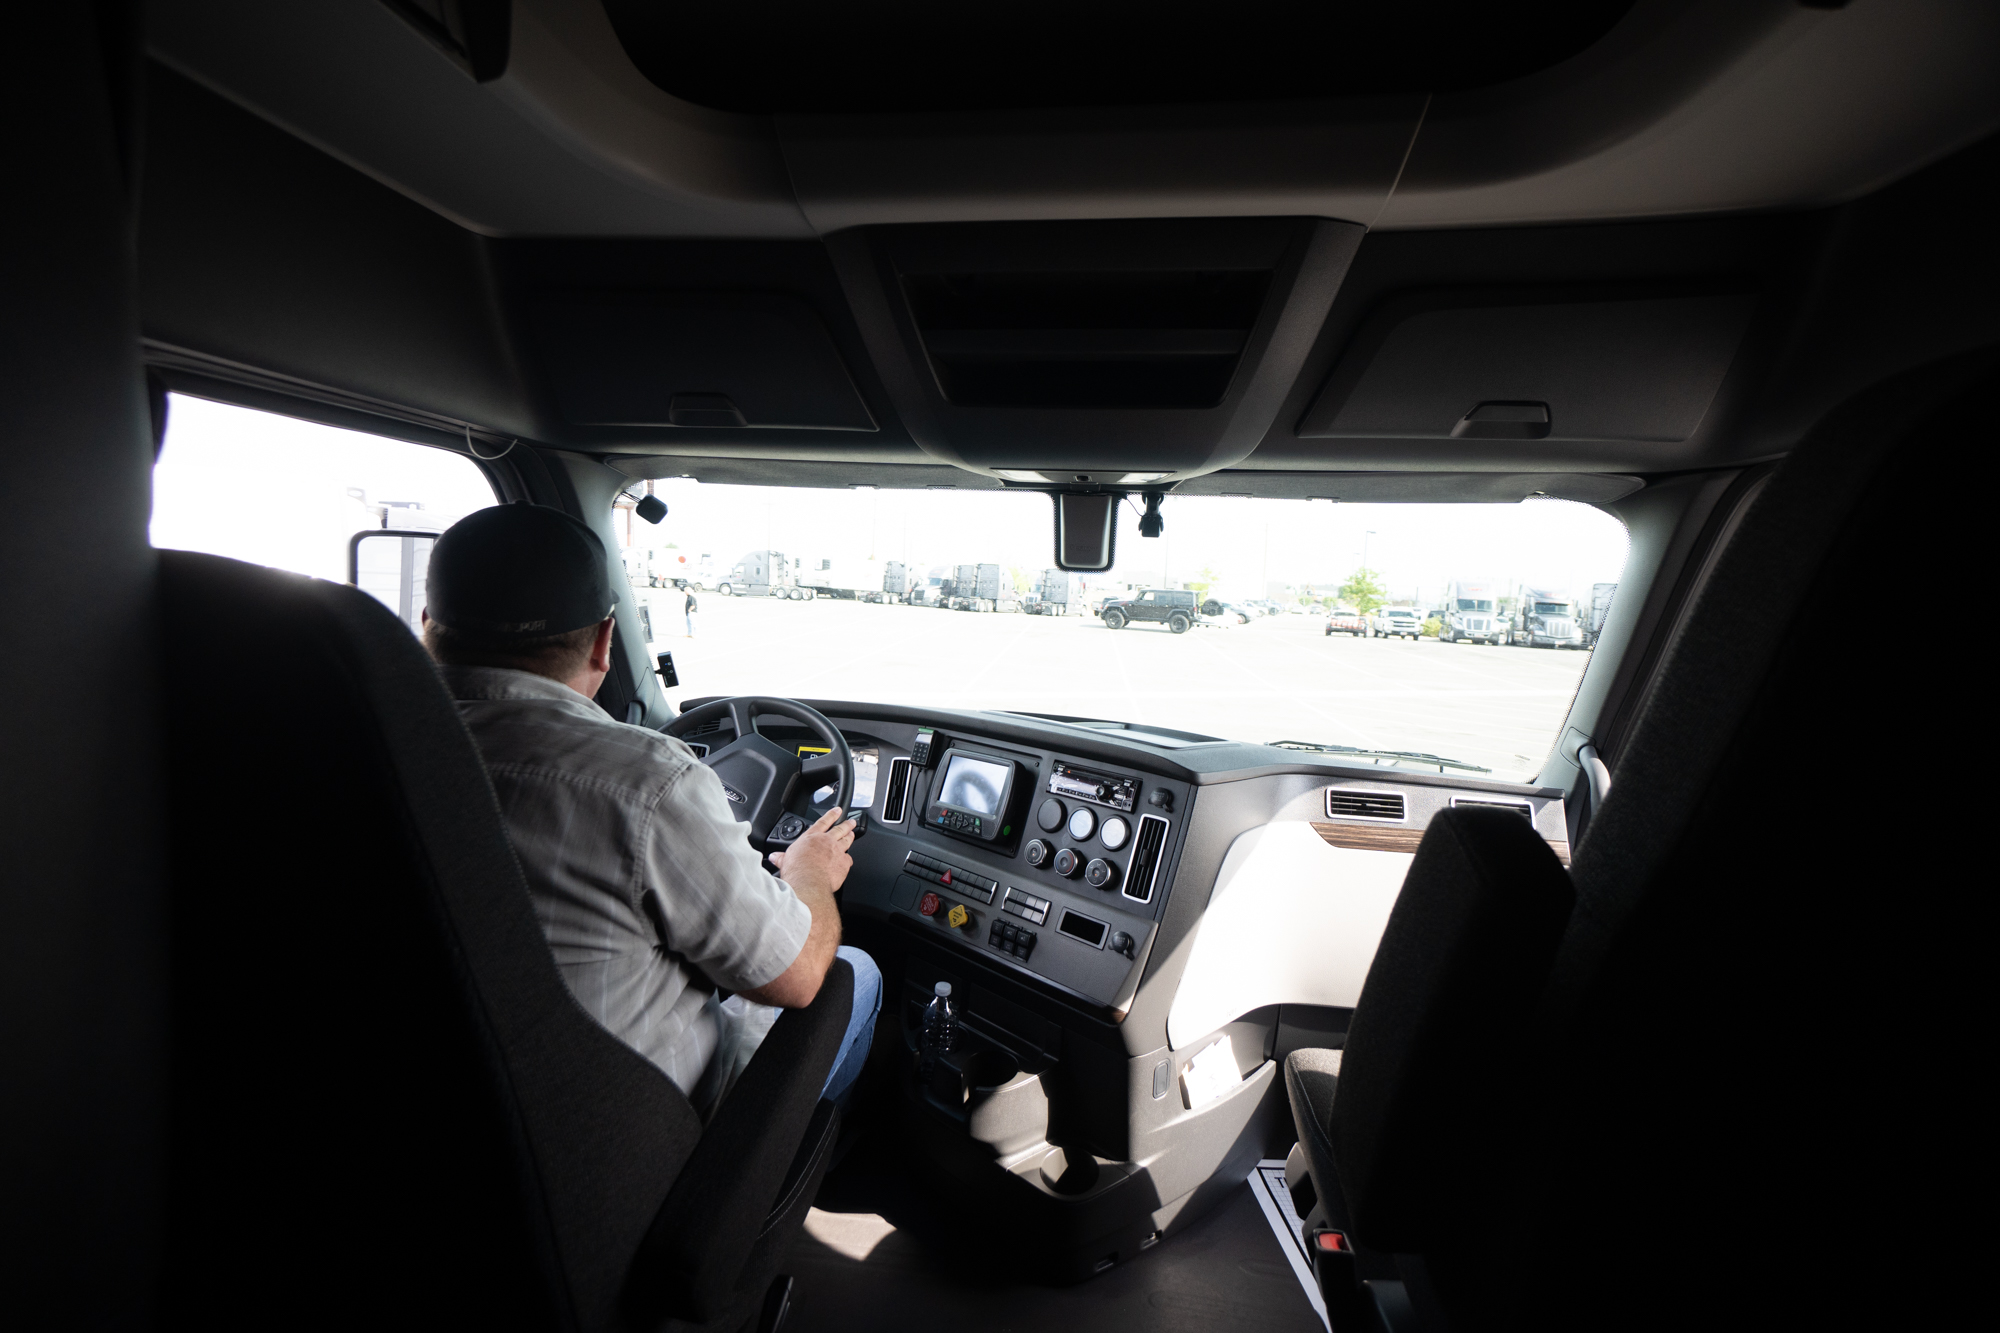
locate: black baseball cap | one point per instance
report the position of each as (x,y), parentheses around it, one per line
(519,569)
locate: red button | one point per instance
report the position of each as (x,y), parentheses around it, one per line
(1332,1240)
(946,879)
(929,904)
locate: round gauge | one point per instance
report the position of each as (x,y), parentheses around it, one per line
(1115,832)
(1082,823)
(1050,816)
(1068,863)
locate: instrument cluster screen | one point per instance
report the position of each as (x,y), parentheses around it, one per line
(867,759)
(976,785)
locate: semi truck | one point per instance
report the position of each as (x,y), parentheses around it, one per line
(764,574)
(1471,613)
(1059,593)
(895,583)
(1600,607)
(982,588)
(1545,618)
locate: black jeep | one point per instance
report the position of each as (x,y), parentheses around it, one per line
(1173,609)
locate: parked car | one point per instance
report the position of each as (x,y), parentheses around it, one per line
(1219,610)
(1396,622)
(1344,621)
(1165,606)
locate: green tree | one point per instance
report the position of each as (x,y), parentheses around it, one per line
(1200,586)
(1363,590)
(1019,577)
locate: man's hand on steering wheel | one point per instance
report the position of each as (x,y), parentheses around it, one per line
(769,786)
(817,860)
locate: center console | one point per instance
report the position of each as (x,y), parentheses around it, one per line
(1038,862)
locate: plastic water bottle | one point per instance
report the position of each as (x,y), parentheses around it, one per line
(940,1032)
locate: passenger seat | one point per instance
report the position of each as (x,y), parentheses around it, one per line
(1737,1077)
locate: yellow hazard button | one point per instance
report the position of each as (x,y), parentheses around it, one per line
(958,916)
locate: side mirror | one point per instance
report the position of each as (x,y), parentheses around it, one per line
(390,565)
(1086,531)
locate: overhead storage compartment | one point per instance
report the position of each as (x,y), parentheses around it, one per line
(1093,352)
(1550,365)
(693,361)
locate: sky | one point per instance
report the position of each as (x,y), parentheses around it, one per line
(277,491)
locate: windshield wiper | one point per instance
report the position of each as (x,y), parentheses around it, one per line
(1363,752)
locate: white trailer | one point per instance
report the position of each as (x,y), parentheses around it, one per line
(832,576)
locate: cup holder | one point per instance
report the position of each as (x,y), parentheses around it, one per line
(990,1069)
(1069,1172)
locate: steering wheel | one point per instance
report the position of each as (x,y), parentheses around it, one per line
(769,787)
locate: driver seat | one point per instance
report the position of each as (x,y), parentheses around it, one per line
(386,1105)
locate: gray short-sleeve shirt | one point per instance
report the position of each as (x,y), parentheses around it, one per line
(626,837)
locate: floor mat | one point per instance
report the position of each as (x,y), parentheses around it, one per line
(1228,1271)
(1267,1182)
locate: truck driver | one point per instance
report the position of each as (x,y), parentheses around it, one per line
(647,888)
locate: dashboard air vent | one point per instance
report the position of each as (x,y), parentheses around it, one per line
(1521,808)
(1146,851)
(1382,805)
(893,798)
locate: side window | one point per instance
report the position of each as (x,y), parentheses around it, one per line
(1150,597)
(294,495)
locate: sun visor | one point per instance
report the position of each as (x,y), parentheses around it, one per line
(1558,366)
(694,362)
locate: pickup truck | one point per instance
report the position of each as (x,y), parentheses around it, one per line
(1347,622)
(1394,622)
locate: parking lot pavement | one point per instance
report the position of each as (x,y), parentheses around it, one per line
(1275,678)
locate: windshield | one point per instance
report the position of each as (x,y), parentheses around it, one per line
(1551,608)
(945,598)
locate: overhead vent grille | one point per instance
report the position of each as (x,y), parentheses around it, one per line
(1086,340)
(1146,850)
(1521,808)
(1386,806)
(894,801)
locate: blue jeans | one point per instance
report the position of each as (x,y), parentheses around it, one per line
(860,1036)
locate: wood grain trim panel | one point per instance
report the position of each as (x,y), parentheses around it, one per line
(1381,838)
(1370,837)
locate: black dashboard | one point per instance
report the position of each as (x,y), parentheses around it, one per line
(1049,862)
(1053,850)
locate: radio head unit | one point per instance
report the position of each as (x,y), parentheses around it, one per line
(974,794)
(1115,790)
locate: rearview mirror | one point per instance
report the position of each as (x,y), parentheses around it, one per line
(390,565)
(1086,531)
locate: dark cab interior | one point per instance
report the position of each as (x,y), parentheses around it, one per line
(1689,1044)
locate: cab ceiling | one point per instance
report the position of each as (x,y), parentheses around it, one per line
(809,57)
(345,218)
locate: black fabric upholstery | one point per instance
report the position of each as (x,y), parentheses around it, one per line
(1757,1027)
(384,1097)
(692,1259)
(1431,1069)
(1312,1075)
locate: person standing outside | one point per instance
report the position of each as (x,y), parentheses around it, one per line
(689,606)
